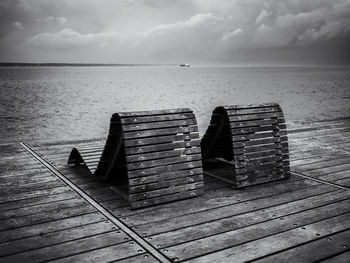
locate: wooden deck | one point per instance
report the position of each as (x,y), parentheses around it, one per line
(52,212)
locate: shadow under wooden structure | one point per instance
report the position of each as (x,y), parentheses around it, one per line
(253,139)
(52,212)
(152,156)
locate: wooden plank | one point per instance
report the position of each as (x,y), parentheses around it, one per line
(167,168)
(142,258)
(154,112)
(34,193)
(263,230)
(212,199)
(21,189)
(194,232)
(28,220)
(158,125)
(160,132)
(57,237)
(142,157)
(162,146)
(264,135)
(252,110)
(146,225)
(281,241)
(170,180)
(106,254)
(41,208)
(314,251)
(341,258)
(157,118)
(185,186)
(48,227)
(168,198)
(164,176)
(69,248)
(254,130)
(136,142)
(38,200)
(257,116)
(251,106)
(157,163)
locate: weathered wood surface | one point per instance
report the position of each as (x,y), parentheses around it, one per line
(322,150)
(42,219)
(253,139)
(162,147)
(298,220)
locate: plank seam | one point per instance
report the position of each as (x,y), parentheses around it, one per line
(96,205)
(299,245)
(320,181)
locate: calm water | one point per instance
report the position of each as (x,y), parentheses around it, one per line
(41,103)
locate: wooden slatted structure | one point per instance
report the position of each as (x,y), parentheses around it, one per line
(253,138)
(156,153)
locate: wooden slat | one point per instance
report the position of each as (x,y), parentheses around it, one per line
(159,125)
(157,118)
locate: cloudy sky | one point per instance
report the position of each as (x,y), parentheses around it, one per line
(176,31)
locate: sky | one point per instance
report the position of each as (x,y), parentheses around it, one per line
(214,32)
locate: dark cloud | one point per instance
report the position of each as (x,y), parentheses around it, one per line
(200,31)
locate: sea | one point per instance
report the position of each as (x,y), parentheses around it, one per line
(68,103)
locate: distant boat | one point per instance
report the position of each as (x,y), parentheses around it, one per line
(184,65)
